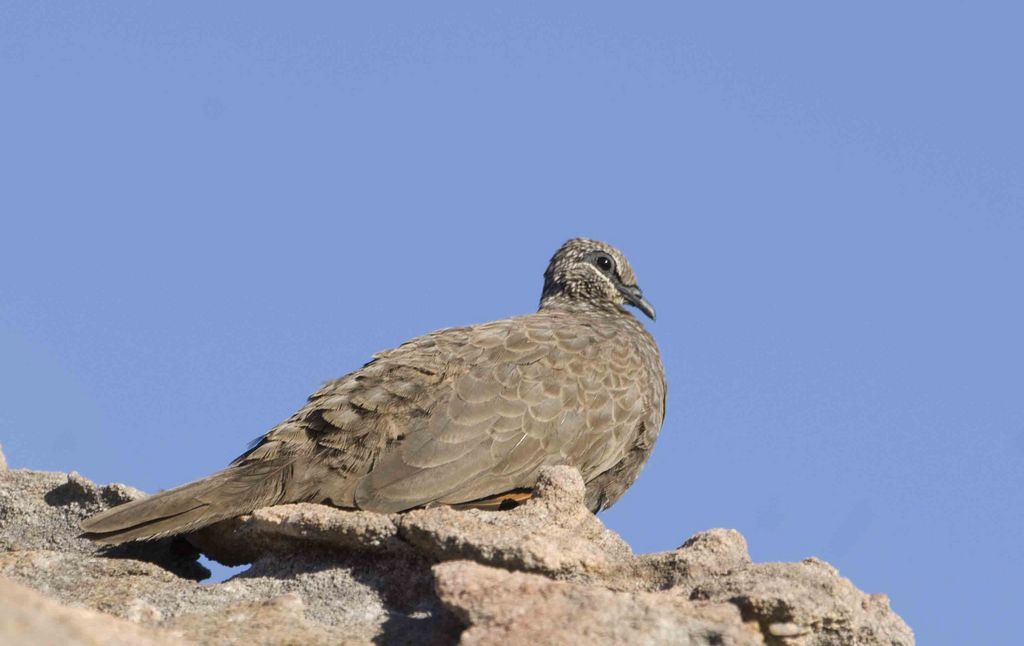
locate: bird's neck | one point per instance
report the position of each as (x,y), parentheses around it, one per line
(563,302)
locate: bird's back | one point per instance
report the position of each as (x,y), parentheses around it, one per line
(463,414)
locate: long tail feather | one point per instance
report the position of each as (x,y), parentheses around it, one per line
(235,491)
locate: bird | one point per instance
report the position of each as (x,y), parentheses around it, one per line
(464,417)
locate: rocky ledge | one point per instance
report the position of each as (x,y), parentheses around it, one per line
(547,572)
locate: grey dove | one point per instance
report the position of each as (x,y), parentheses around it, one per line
(464,416)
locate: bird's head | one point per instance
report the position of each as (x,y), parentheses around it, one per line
(592,271)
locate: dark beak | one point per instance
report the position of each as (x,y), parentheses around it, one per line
(635,297)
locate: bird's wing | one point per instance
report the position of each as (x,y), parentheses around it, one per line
(459,415)
(527,394)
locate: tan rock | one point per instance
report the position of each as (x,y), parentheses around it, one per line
(545,572)
(295,528)
(514,608)
(27,617)
(806,603)
(552,533)
(41,511)
(280,620)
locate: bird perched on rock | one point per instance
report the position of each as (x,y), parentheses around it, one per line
(463,416)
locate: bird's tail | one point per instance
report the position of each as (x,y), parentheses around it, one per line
(232,492)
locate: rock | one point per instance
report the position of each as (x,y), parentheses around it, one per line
(355,598)
(547,571)
(27,617)
(3,460)
(109,585)
(295,528)
(514,608)
(41,510)
(710,553)
(552,533)
(280,620)
(806,603)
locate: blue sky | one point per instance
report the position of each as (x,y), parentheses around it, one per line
(207,210)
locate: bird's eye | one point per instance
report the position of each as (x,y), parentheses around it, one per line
(604,263)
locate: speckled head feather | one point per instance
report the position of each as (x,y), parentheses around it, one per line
(591,272)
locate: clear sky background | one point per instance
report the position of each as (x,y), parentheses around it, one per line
(209,209)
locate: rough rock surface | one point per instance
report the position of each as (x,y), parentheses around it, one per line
(27,617)
(545,572)
(502,607)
